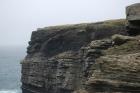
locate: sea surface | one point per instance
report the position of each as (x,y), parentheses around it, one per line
(10,68)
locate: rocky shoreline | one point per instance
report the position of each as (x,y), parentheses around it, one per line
(85,58)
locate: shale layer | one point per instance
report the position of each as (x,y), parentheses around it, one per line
(101,57)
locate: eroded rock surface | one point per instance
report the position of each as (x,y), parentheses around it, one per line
(133,17)
(84,58)
(59,58)
(116,73)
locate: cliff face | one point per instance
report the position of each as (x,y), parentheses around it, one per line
(82,58)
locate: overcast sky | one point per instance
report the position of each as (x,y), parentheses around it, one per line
(18,18)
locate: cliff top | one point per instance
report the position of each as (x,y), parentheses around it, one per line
(114,22)
(57,39)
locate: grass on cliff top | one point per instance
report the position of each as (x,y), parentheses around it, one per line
(108,23)
(126,48)
(67,26)
(112,23)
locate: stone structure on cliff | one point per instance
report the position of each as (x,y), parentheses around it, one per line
(84,58)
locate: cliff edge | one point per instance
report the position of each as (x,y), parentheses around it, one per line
(85,58)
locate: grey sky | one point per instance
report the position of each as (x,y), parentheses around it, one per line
(18,18)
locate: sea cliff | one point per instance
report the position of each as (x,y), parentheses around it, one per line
(85,58)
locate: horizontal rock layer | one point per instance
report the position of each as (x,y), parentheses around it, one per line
(59,58)
(116,73)
(84,58)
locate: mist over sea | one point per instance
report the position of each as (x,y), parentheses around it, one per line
(10,68)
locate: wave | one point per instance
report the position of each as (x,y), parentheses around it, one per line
(10,91)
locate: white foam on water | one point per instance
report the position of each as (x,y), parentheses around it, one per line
(9,91)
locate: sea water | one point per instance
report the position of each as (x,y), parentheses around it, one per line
(10,68)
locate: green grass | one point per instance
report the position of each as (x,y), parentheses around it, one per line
(108,23)
(126,48)
(114,23)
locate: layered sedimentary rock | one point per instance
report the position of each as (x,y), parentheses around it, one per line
(83,58)
(59,58)
(116,73)
(116,69)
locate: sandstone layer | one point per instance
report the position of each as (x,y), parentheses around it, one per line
(84,58)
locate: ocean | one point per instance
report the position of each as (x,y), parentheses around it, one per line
(10,68)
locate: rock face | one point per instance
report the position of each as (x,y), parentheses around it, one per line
(82,58)
(133,12)
(133,17)
(116,73)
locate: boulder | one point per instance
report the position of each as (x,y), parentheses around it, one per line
(120,39)
(133,17)
(133,12)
